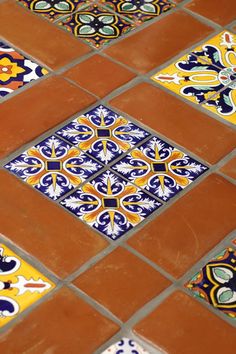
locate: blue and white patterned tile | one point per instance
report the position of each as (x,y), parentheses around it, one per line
(125,346)
(103,134)
(53,167)
(159,168)
(110,204)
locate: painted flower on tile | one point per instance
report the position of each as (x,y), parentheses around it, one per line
(20,285)
(110,204)
(125,346)
(159,168)
(216,282)
(16,70)
(53,167)
(103,134)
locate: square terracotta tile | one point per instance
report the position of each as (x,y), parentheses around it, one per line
(122,283)
(216,282)
(159,168)
(96,25)
(230,168)
(53,167)
(110,204)
(82,329)
(21,285)
(16,70)
(103,134)
(125,345)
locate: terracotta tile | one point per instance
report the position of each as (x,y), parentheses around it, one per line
(230,168)
(122,283)
(157,43)
(49,103)
(178,322)
(196,223)
(168,115)
(82,329)
(62,246)
(47,43)
(99,75)
(214,10)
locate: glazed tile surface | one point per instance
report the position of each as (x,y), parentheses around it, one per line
(125,346)
(103,134)
(110,204)
(216,282)
(53,167)
(20,285)
(159,168)
(16,70)
(96,25)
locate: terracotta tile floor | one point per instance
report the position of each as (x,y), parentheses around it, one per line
(117,177)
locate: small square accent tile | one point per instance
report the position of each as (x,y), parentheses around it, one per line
(20,285)
(53,167)
(97,25)
(125,346)
(216,282)
(16,70)
(103,134)
(139,10)
(110,204)
(160,168)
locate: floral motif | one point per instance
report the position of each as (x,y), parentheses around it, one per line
(53,167)
(110,204)
(216,282)
(16,70)
(20,285)
(125,346)
(96,25)
(159,168)
(103,134)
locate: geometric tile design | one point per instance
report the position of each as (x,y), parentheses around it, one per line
(53,167)
(20,285)
(126,346)
(140,11)
(103,134)
(110,204)
(216,282)
(96,25)
(206,75)
(159,168)
(16,70)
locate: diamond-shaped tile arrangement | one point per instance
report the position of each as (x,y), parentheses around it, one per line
(16,70)
(53,167)
(216,282)
(207,75)
(159,168)
(103,134)
(20,285)
(125,346)
(110,204)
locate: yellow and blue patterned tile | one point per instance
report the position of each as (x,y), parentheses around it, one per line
(21,285)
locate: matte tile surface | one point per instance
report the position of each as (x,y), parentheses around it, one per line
(230,168)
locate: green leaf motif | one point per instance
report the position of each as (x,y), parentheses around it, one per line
(203,88)
(128,7)
(227,100)
(62,6)
(106,19)
(226,296)
(42,5)
(216,57)
(150,8)
(86,29)
(199,68)
(221,273)
(107,30)
(86,18)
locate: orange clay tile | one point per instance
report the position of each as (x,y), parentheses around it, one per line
(181,325)
(99,75)
(44,229)
(122,283)
(191,227)
(49,103)
(62,324)
(206,137)
(230,168)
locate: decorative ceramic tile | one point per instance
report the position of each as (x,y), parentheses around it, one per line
(125,346)
(53,9)
(20,285)
(159,168)
(216,282)
(53,167)
(110,204)
(96,25)
(139,10)
(16,70)
(103,134)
